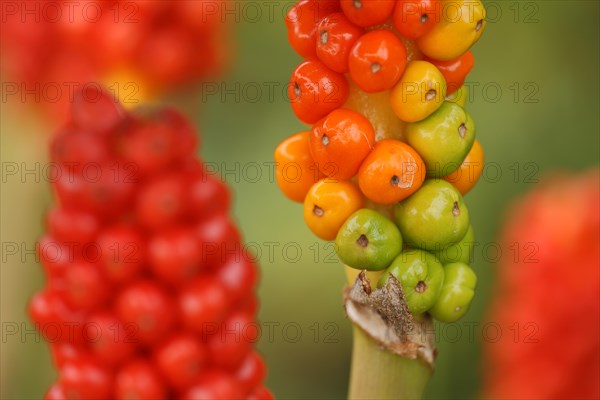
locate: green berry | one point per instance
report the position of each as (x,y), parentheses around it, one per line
(443,139)
(462,251)
(434,217)
(456,294)
(421,276)
(368,240)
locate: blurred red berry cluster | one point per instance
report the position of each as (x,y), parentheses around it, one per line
(136,48)
(149,293)
(547,303)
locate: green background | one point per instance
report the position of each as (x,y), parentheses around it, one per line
(544,58)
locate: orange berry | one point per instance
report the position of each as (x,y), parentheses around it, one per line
(367,12)
(340,142)
(391,172)
(328,204)
(315,91)
(469,172)
(302,20)
(295,169)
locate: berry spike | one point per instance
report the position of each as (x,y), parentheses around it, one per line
(399,152)
(144,265)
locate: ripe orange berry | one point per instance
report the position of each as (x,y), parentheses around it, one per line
(469,172)
(296,171)
(391,172)
(328,204)
(367,12)
(340,142)
(335,38)
(377,60)
(301,22)
(414,18)
(315,90)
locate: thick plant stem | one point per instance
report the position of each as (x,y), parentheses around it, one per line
(377,373)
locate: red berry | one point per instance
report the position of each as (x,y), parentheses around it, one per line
(161,202)
(238,275)
(214,385)
(72,226)
(165,54)
(367,12)
(86,287)
(233,342)
(301,21)
(455,71)
(206,196)
(65,351)
(377,61)
(95,110)
(340,142)
(183,130)
(260,393)
(110,341)
(203,301)
(150,145)
(139,379)
(55,319)
(175,255)
(107,189)
(335,37)
(218,238)
(56,392)
(122,252)
(315,90)
(414,18)
(85,379)
(251,371)
(73,149)
(180,359)
(249,304)
(149,308)
(55,256)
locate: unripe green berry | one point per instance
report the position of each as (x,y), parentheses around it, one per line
(434,217)
(443,139)
(461,251)
(368,240)
(456,294)
(421,276)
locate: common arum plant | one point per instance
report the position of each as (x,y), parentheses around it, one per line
(388,156)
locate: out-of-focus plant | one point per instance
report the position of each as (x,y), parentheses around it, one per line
(547,303)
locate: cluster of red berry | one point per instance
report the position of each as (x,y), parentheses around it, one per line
(547,314)
(148,294)
(382,86)
(136,48)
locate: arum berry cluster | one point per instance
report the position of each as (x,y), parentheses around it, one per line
(391,149)
(148,294)
(137,48)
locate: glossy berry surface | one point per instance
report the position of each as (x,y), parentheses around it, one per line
(340,142)
(315,90)
(377,60)
(335,37)
(383,167)
(145,269)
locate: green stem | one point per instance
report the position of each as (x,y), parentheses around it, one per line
(376,373)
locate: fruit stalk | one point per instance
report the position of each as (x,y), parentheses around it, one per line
(377,373)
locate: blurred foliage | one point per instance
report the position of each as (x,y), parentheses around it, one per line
(543,57)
